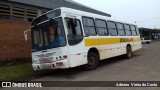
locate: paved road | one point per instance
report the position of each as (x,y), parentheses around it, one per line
(144,66)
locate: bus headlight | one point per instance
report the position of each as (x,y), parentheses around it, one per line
(34,61)
(61,57)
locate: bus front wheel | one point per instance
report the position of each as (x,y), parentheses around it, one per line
(93,61)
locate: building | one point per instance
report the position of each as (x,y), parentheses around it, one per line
(26,10)
(151,34)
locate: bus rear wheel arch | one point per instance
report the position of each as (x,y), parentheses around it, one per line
(93,59)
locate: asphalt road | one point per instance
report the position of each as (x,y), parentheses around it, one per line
(143,66)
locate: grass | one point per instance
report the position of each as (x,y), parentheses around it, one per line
(16,72)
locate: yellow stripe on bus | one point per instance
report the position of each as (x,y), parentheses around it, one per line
(104,41)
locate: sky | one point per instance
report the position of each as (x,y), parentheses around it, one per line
(146,13)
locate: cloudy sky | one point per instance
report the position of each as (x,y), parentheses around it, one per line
(145,12)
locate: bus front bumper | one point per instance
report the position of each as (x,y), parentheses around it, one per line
(54,65)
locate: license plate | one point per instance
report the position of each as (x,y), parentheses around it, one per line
(48,66)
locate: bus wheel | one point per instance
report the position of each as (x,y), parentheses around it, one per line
(129,52)
(93,61)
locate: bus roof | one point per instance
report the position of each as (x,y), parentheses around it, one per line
(82,13)
(88,14)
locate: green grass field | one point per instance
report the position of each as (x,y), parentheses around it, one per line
(16,72)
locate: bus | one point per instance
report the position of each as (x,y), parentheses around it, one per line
(65,38)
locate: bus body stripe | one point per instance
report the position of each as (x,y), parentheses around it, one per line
(104,41)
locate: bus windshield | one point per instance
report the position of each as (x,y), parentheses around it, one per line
(48,35)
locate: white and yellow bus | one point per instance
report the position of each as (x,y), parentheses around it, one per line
(66,38)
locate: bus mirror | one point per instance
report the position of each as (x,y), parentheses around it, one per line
(26,33)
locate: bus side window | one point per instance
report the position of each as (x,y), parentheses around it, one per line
(89,26)
(112,28)
(120,28)
(101,27)
(133,30)
(127,29)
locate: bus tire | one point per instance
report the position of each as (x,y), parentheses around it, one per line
(93,61)
(128,52)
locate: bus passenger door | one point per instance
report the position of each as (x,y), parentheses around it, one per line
(75,42)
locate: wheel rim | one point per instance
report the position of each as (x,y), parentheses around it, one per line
(91,61)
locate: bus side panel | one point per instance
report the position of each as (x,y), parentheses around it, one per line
(137,46)
(108,51)
(92,42)
(78,59)
(137,43)
(110,47)
(77,55)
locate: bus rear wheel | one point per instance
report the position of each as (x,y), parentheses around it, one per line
(128,52)
(93,61)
